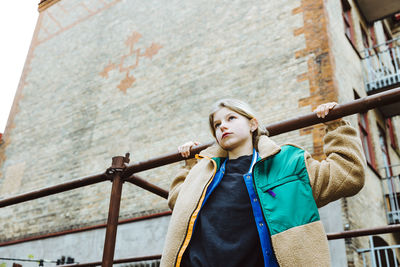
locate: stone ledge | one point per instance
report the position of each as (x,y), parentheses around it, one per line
(44,4)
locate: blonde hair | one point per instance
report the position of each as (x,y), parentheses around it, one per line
(241,108)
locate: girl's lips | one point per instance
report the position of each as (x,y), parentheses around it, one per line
(225,134)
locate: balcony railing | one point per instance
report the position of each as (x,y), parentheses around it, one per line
(382,66)
(391,191)
(381,71)
(379,256)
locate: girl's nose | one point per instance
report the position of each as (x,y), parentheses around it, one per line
(223,126)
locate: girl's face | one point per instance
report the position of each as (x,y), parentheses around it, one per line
(233,130)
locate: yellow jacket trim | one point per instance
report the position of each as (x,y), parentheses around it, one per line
(194,215)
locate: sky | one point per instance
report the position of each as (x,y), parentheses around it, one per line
(17,23)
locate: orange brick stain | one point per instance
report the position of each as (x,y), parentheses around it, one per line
(125,65)
(319,64)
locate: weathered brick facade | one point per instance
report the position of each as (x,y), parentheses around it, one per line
(107,77)
(366,209)
(95,86)
(320,65)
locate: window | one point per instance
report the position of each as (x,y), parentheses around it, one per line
(395,23)
(387,37)
(373,36)
(365,136)
(385,152)
(392,200)
(348,22)
(365,40)
(364,37)
(392,135)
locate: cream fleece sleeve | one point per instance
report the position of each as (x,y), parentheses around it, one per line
(341,174)
(178,181)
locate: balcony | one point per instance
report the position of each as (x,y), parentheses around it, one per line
(381,67)
(391,190)
(375,10)
(379,254)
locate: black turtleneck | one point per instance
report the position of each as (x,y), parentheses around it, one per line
(225,232)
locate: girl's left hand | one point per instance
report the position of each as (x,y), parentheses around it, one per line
(323,109)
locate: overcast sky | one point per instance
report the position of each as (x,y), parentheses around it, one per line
(17,22)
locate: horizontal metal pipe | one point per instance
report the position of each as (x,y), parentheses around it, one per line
(98,263)
(357,106)
(332,236)
(360,105)
(363,232)
(54,189)
(147,186)
(27,260)
(161,160)
(353,107)
(83,229)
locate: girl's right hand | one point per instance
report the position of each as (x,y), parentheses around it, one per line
(185,148)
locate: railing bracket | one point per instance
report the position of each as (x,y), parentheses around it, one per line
(118,164)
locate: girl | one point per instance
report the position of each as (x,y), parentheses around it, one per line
(249,202)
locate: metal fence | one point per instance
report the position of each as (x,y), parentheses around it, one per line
(391,192)
(120,172)
(382,65)
(379,256)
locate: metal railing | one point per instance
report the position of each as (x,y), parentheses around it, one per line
(381,65)
(119,172)
(379,256)
(391,192)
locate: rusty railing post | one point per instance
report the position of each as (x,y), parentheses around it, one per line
(116,170)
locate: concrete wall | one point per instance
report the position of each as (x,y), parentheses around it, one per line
(333,223)
(137,239)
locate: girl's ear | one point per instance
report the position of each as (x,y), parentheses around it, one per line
(253,124)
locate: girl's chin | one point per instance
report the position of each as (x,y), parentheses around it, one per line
(225,146)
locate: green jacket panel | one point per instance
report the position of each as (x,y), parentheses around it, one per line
(283,186)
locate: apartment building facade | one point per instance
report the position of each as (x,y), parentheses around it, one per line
(366,60)
(105,77)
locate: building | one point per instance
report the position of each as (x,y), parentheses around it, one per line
(105,77)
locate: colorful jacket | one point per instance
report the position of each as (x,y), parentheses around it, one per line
(299,185)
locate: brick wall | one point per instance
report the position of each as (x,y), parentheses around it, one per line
(320,65)
(108,77)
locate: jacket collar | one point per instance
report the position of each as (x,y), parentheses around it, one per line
(266,148)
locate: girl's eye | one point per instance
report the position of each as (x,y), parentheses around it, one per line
(231,117)
(217,125)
